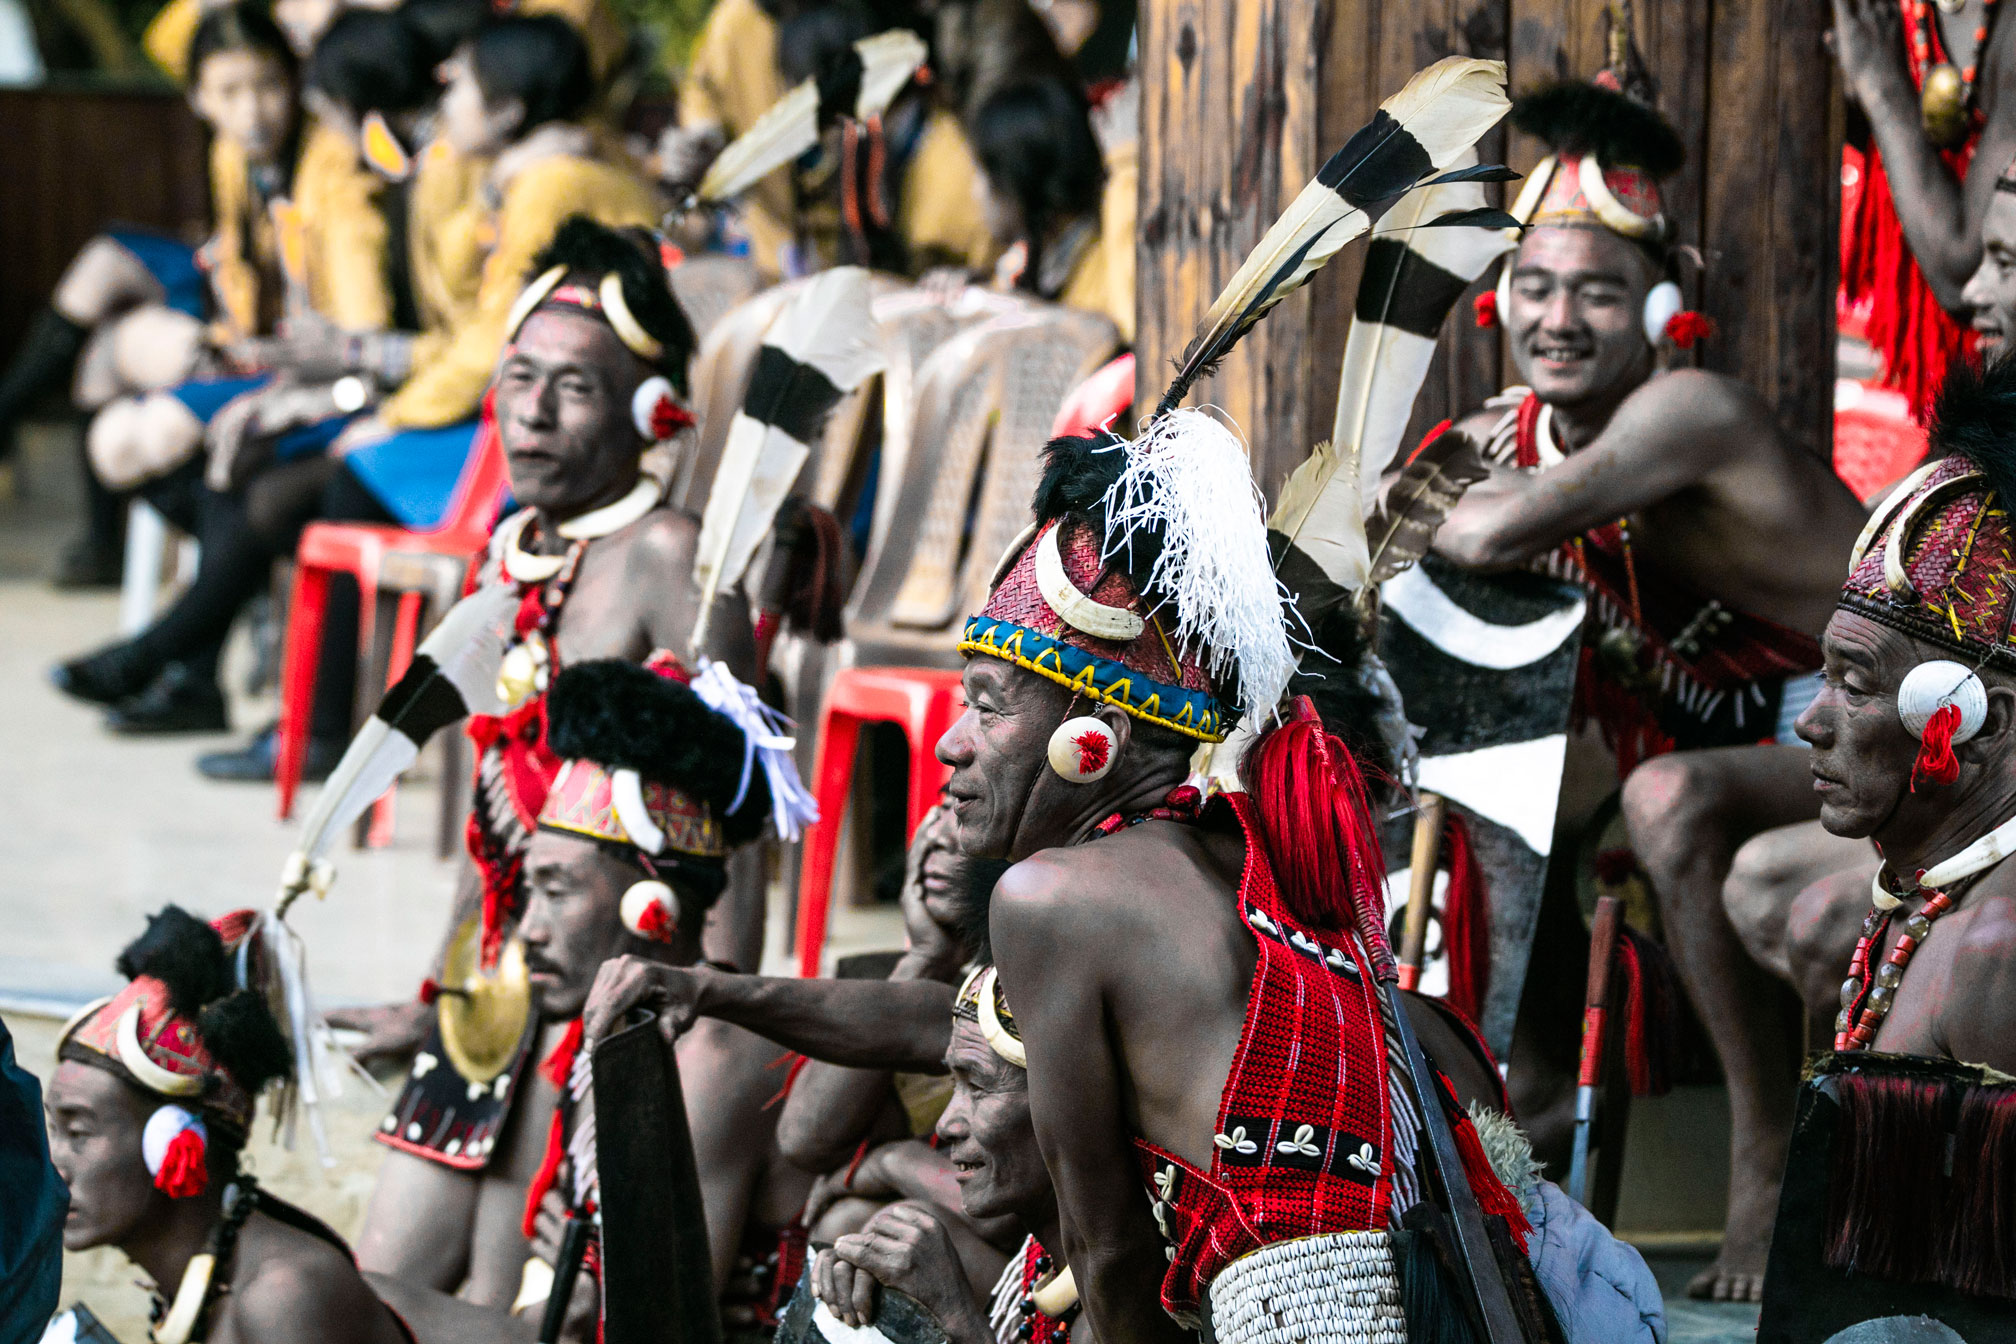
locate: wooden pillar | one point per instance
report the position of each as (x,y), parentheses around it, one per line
(1242,98)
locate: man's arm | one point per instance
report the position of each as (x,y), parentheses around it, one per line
(1052,958)
(725,1077)
(313,1303)
(877,1024)
(1668,435)
(1940,216)
(1979,1027)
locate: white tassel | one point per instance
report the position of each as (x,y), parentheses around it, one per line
(767,739)
(1187,479)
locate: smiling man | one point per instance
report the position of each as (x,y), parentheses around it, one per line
(589,383)
(1668,496)
(1990,295)
(1914,749)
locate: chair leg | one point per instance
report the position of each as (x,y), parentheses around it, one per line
(140,584)
(840,734)
(302,650)
(405,634)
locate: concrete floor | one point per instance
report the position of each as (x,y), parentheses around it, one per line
(98,831)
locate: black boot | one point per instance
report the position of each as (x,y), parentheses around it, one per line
(45,359)
(107,676)
(181,700)
(96,559)
(253,763)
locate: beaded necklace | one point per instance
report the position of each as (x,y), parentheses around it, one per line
(1866,998)
(184,1321)
(1034,1303)
(1182,805)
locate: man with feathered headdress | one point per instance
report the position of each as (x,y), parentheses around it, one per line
(589,398)
(1667,495)
(656,789)
(149,1108)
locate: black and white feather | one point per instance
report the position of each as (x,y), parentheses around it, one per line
(820,347)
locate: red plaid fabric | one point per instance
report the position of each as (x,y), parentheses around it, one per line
(1304,1141)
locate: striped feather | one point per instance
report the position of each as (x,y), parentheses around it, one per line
(1441,112)
(820,347)
(873,75)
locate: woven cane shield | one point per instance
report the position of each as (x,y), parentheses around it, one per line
(1486,666)
(657,1275)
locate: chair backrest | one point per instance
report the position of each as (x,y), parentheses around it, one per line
(985,402)
(708,287)
(721,372)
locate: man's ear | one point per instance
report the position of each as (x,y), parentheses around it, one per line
(1998,731)
(1122,725)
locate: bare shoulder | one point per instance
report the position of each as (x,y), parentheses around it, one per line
(1106,890)
(1703,396)
(664,538)
(1981,1008)
(297,1287)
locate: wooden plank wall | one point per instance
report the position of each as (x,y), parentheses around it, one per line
(1747,83)
(75,161)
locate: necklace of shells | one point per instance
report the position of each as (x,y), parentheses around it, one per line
(1868,994)
(528,664)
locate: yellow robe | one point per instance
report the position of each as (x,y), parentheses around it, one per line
(244,253)
(938,213)
(451,368)
(730,81)
(1103,280)
(338,258)
(444,235)
(168,35)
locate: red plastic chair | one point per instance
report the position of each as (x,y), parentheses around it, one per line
(1875,439)
(924,702)
(361,551)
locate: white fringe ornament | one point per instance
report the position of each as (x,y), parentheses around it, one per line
(767,740)
(1187,479)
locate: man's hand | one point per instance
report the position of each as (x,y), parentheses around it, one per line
(935,951)
(549,1229)
(1866,41)
(904,1247)
(686,153)
(362,433)
(629,983)
(393,1032)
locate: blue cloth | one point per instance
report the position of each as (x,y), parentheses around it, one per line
(171,262)
(414,472)
(33,1202)
(206,396)
(1601,1289)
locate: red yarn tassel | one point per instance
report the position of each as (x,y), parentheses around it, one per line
(1687,328)
(1492,1194)
(1936,762)
(1908,327)
(185,1167)
(1486,307)
(1651,1015)
(1466,923)
(1317,827)
(556,1069)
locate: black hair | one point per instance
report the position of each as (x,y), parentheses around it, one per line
(1576,117)
(1974,415)
(243,26)
(590,248)
(624,716)
(372,61)
(441,27)
(237,1026)
(537,59)
(813,39)
(1034,141)
(972,901)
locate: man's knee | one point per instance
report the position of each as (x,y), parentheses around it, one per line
(1666,804)
(1820,931)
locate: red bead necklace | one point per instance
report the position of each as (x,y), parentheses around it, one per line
(1183,804)
(1867,999)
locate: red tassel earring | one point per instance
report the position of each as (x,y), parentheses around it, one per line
(1936,763)
(1688,328)
(1486,307)
(176,1147)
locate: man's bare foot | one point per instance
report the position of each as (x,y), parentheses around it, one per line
(1716,1284)
(392,1033)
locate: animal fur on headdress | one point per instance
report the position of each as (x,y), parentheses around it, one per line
(1974,417)
(1578,118)
(624,716)
(590,249)
(1079,471)
(188,956)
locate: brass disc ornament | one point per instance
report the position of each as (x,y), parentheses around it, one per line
(1942,105)
(483,1013)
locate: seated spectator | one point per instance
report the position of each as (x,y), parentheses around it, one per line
(346,279)
(148,1111)
(1067,224)
(134,310)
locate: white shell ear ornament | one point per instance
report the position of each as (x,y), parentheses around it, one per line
(651,911)
(654,410)
(1942,703)
(1662,304)
(175,1146)
(1082,749)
